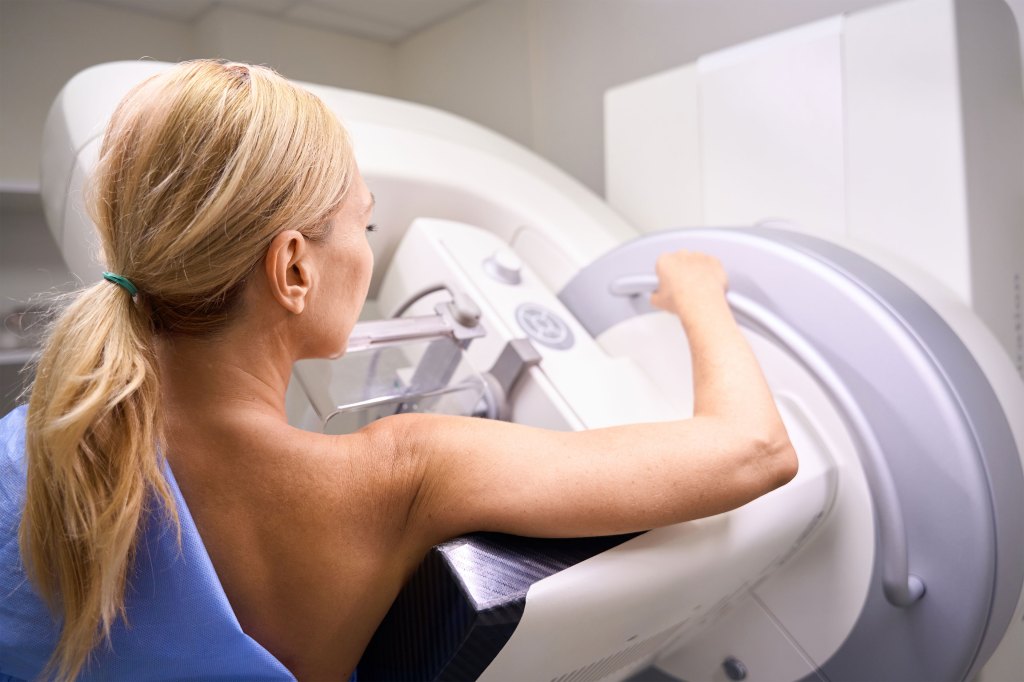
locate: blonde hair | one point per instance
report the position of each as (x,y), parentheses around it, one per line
(200,167)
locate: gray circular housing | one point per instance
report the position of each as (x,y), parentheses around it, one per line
(544,326)
(947,444)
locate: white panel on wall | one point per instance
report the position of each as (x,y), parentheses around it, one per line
(652,150)
(992,105)
(905,164)
(772,130)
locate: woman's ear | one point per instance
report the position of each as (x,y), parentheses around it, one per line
(289,270)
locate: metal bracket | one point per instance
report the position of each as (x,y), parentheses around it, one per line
(516,357)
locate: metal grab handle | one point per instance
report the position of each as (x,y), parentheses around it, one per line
(901,587)
(633,285)
(457,319)
(378,333)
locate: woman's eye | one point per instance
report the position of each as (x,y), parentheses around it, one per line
(372,227)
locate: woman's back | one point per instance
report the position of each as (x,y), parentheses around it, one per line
(303,530)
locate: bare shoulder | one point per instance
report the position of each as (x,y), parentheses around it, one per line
(365,479)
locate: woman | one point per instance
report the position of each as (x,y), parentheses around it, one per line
(233,218)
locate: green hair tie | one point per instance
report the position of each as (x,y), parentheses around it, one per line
(123,282)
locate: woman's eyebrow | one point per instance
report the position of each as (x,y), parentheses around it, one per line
(373,202)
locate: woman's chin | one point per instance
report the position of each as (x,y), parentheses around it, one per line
(338,351)
(325,353)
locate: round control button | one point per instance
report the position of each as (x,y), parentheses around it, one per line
(544,326)
(504,265)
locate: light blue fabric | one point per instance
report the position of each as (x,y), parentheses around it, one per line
(181,625)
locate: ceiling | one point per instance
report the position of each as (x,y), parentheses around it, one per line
(388,21)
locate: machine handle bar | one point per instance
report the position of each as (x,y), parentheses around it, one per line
(901,587)
(457,319)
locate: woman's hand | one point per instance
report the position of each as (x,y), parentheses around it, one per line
(686,278)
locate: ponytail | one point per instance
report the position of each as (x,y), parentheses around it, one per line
(91,445)
(200,167)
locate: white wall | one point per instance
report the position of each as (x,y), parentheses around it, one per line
(43,43)
(575,50)
(534,70)
(475,64)
(299,52)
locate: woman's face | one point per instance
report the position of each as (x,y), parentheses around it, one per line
(345,265)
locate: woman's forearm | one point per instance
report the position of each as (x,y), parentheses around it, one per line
(728,382)
(727,379)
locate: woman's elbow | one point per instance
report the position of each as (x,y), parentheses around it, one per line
(767,461)
(776,460)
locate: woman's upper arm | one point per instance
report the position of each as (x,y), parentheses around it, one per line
(455,474)
(463,474)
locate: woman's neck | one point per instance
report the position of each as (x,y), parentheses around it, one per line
(241,370)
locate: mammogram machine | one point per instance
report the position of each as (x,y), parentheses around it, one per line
(504,289)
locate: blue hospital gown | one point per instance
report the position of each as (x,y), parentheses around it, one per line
(181,625)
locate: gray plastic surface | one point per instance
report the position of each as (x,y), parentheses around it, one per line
(949,448)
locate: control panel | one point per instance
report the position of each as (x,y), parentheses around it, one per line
(576,383)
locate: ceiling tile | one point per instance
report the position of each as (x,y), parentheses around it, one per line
(321,16)
(182,10)
(384,20)
(260,6)
(409,14)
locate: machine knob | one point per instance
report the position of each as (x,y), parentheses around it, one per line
(734,668)
(504,266)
